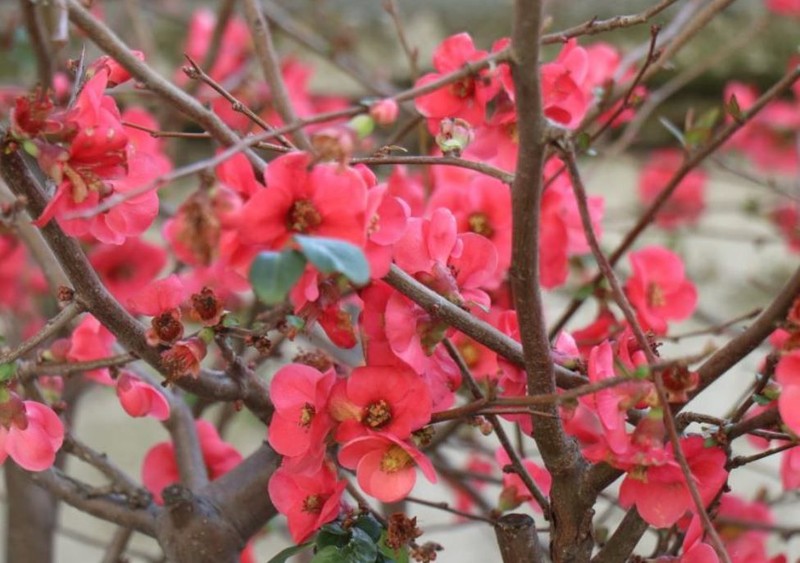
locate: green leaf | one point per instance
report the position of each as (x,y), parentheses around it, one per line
(284,555)
(370,525)
(641,372)
(360,549)
(583,141)
(331,255)
(273,274)
(396,555)
(7,371)
(332,535)
(734,109)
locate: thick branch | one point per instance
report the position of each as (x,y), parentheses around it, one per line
(571,538)
(516,536)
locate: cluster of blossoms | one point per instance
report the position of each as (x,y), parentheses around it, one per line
(450,231)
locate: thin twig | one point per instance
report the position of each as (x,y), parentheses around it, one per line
(271,67)
(52,328)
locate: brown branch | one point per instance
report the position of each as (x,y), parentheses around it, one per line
(595,26)
(571,538)
(737,348)
(117,546)
(271,68)
(447,508)
(283,20)
(29,369)
(517,539)
(624,539)
(478,330)
(39,42)
(481,167)
(53,327)
(107,507)
(195,72)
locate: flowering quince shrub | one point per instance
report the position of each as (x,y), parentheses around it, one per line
(380,282)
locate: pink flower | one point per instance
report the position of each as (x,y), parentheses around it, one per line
(389,400)
(324,200)
(91,341)
(787,374)
(686,203)
(301,420)
(161,300)
(790,469)
(465,99)
(160,468)
(784,7)
(658,288)
(308,500)
(385,466)
(660,492)
(514,490)
(32,436)
(139,398)
(786,218)
(128,268)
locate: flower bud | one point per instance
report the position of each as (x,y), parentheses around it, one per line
(454,136)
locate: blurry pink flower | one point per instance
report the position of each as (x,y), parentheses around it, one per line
(126,269)
(160,468)
(32,436)
(139,398)
(658,288)
(91,341)
(787,374)
(686,203)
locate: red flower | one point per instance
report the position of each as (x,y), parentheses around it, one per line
(139,398)
(301,420)
(787,374)
(686,203)
(465,99)
(660,492)
(324,200)
(385,466)
(514,490)
(308,500)
(389,400)
(127,269)
(658,288)
(91,341)
(32,436)
(160,468)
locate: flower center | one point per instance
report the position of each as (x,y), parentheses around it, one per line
(313,504)
(464,88)
(167,326)
(378,414)
(470,353)
(479,224)
(655,296)
(396,459)
(307,414)
(303,217)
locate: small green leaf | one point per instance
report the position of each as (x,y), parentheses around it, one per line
(583,142)
(359,549)
(370,525)
(7,371)
(734,109)
(641,372)
(284,555)
(30,148)
(396,555)
(331,255)
(273,274)
(331,535)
